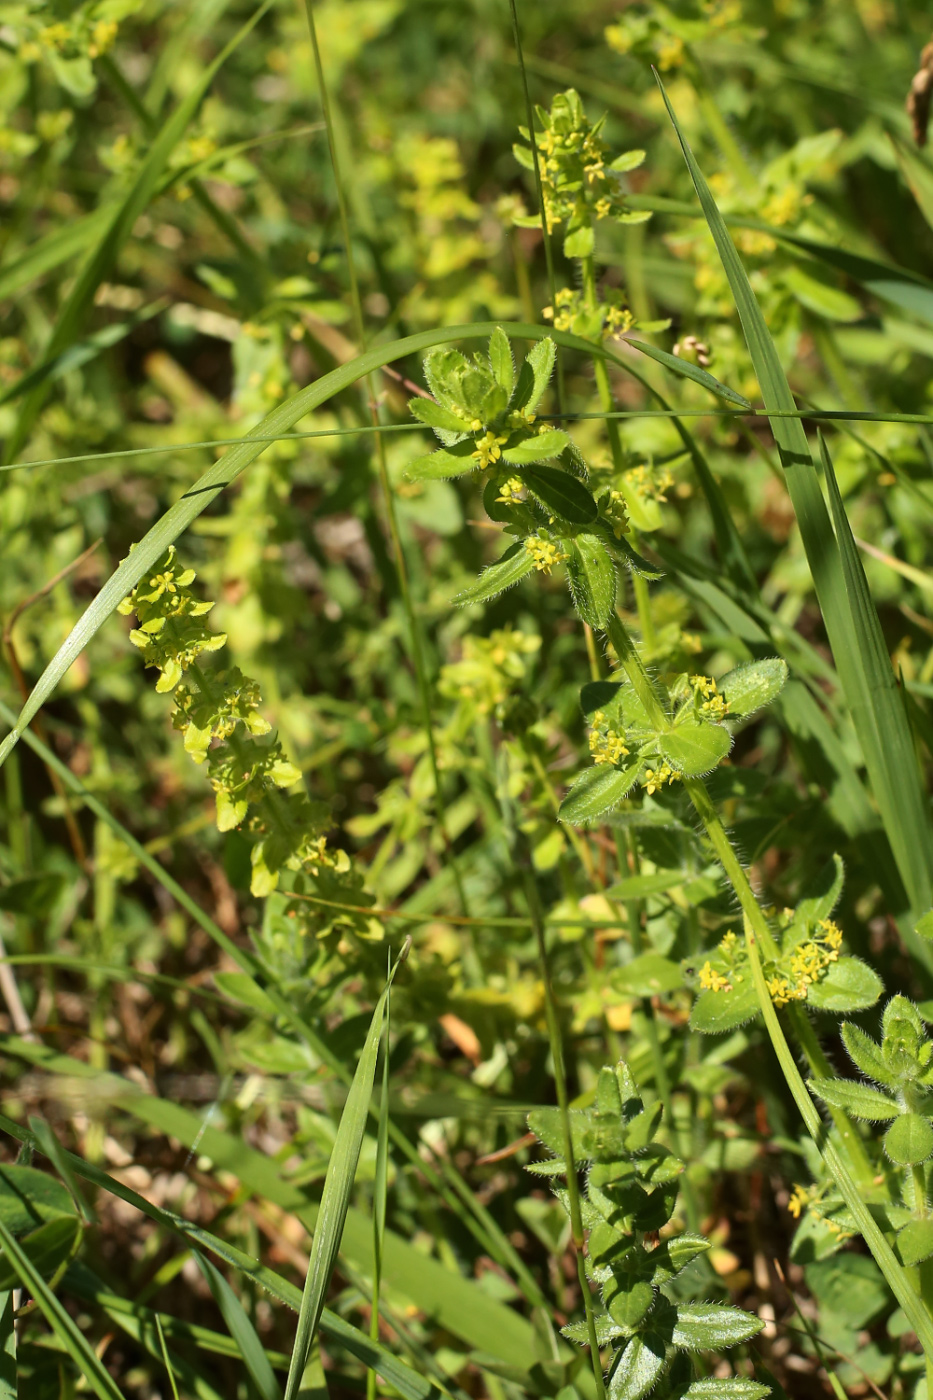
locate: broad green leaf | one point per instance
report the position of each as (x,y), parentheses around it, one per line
(643,886)
(435,415)
(909,1140)
(687,370)
(716,1012)
(753,685)
(537,448)
(819,295)
(851,620)
(847,985)
(648,975)
(640,1367)
(915,1242)
(711,1326)
(924,925)
(241,1330)
(71,1338)
(547,1124)
(600,695)
(849,1285)
(443,462)
(694,748)
(501,360)
(335,1198)
(534,375)
(822,901)
(48,1248)
(866,1055)
(560,493)
(597,790)
(856,1099)
(580,242)
(669,1258)
(242,987)
(592,578)
(727,1388)
(514,565)
(28,1197)
(627,1300)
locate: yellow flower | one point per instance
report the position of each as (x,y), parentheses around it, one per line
(488,449)
(655,778)
(510,491)
(607,748)
(798,1202)
(713,981)
(545,553)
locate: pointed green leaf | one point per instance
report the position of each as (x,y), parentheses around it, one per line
(501,360)
(627,1300)
(580,242)
(48,1248)
(694,748)
(592,579)
(909,1140)
(435,415)
(597,790)
(687,370)
(915,1242)
(753,685)
(514,565)
(443,462)
(534,375)
(825,896)
(28,1197)
(560,493)
(856,1099)
(728,1388)
(537,448)
(640,1367)
(241,1330)
(716,1012)
(866,1055)
(648,975)
(711,1326)
(847,985)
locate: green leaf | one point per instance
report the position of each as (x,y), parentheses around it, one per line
(917,175)
(712,1326)
(915,1242)
(597,790)
(728,1388)
(241,1330)
(909,1140)
(634,561)
(73,1341)
(866,1055)
(435,415)
(848,985)
(694,748)
(443,462)
(35,895)
(335,1198)
(580,242)
(851,620)
(628,1301)
(514,565)
(592,579)
(647,975)
(924,925)
(639,1368)
(501,360)
(716,1012)
(813,290)
(537,448)
(28,1197)
(753,685)
(48,1247)
(560,493)
(643,886)
(687,370)
(856,1099)
(534,375)
(849,1285)
(242,987)
(826,895)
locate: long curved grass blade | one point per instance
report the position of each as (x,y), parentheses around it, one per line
(53,249)
(851,621)
(241,1330)
(126,213)
(59,1319)
(335,1198)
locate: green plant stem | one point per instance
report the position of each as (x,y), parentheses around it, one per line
(388,496)
(539,186)
(560,1084)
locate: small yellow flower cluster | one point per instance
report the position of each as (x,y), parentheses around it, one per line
(800,1200)
(488,449)
(655,778)
(782,992)
(648,484)
(786,205)
(608,747)
(572,312)
(616,513)
(713,981)
(510,491)
(808,963)
(545,553)
(713,706)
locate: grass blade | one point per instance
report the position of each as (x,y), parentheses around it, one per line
(8,1385)
(62,1324)
(380,1193)
(335,1198)
(241,1330)
(851,621)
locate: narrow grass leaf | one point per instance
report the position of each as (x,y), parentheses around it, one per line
(60,1320)
(851,621)
(241,1330)
(335,1198)
(50,1145)
(9,1388)
(690,371)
